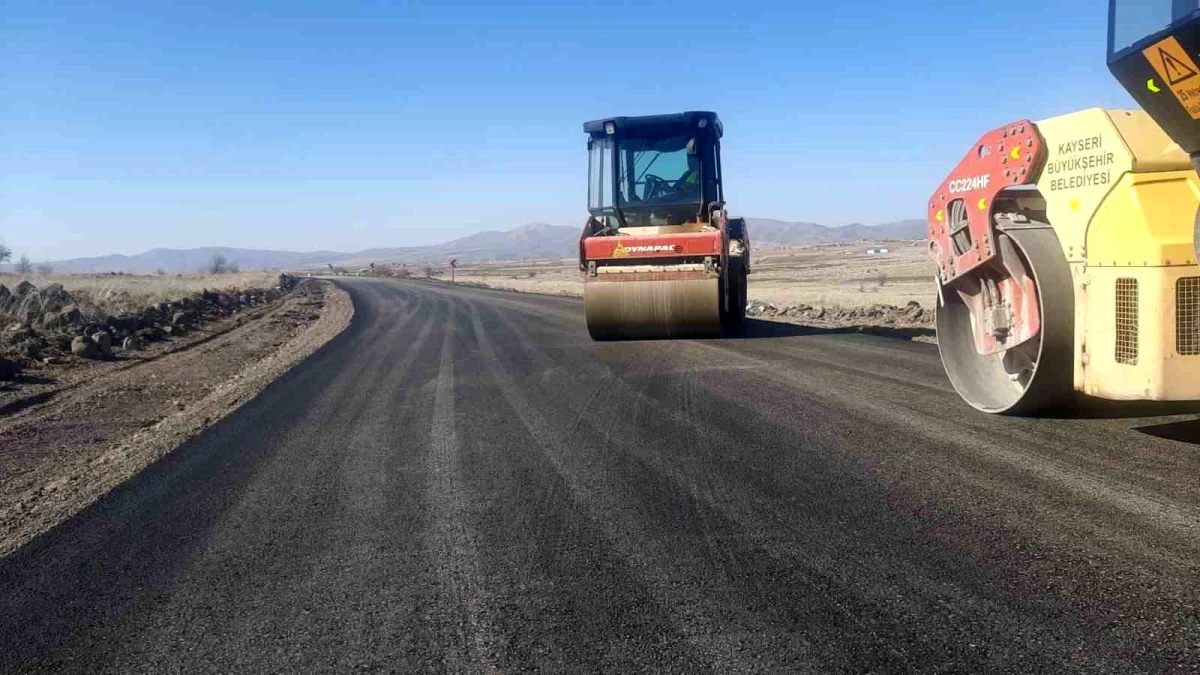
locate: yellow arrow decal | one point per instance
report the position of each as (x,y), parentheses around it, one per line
(1016,153)
(1151,86)
(982,203)
(941,215)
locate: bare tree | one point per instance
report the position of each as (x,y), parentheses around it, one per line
(24,266)
(5,253)
(233,267)
(160,272)
(217,264)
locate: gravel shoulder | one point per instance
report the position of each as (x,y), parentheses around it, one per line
(70,435)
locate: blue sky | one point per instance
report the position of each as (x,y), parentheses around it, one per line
(346,125)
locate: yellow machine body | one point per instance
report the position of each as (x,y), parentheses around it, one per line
(1122,199)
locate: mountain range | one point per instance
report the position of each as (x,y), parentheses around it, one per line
(531,241)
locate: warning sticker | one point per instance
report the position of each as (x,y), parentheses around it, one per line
(1176,67)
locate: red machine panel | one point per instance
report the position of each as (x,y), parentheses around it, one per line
(686,244)
(960,212)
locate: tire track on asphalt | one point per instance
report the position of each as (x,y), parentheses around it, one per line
(1182,519)
(743,503)
(454,547)
(687,610)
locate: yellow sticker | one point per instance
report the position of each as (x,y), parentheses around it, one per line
(1179,71)
(1016,153)
(982,203)
(941,215)
(1075,204)
(619,251)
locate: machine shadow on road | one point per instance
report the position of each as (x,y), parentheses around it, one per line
(1089,407)
(1187,431)
(754,329)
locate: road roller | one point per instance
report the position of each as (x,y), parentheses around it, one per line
(659,255)
(1065,248)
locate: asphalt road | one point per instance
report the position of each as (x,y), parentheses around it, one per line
(463,481)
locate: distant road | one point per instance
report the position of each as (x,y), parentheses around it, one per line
(464,481)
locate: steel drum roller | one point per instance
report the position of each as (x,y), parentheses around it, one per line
(689,308)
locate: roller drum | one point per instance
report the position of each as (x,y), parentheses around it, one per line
(683,308)
(1042,377)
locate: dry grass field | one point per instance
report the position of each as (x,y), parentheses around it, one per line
(117,294)
(830,275)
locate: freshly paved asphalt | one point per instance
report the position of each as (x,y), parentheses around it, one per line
(464,481)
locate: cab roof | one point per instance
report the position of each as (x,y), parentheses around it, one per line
(684,120)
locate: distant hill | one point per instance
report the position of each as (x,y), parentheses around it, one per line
(781,232)
(192,260)
(534,240)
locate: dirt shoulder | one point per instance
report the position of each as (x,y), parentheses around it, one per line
(70,435)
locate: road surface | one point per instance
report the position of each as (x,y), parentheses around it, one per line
(463,481)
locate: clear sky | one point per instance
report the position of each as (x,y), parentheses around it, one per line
(344,125)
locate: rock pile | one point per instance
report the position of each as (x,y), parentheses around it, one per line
(49,323)
(910,315)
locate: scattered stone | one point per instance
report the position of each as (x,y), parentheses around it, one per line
(151,333)
(84,348)
(64,317)
(104,341)
(184,319)
(54,298)
(9,370)
(132,343)
(24,288)
(31,348)
(912,315)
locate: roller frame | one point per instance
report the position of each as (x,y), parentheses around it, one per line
(630,279)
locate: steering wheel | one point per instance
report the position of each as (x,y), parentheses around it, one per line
(656,187)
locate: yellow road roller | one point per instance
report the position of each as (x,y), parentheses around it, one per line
(659,255)
(1065,248)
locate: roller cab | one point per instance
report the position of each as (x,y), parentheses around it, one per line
(1154,52)
(659,255)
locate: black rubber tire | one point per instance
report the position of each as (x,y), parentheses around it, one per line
(733,312)
(982,381)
